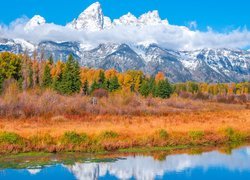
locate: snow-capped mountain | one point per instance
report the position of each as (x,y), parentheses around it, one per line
(34,22)
(210,65)
(93,19)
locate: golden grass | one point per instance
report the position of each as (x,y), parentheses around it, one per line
(211,121)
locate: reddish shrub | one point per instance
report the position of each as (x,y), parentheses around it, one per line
(225,99)
(242,98)
(201,96)
(185,95)
(100,93)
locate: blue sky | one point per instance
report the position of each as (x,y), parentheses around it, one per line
(221,15)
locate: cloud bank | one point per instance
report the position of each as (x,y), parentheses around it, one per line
(166,35)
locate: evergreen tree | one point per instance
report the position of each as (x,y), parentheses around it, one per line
(51,60)
(152,84)
(47,79)
(113,84)
(85,88)
(164,89)
(102,80)
(145,88)
(31,83)
(56,83)
(94,86)
(71,82)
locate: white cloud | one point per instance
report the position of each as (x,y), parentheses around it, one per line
(192,25)
(168,36)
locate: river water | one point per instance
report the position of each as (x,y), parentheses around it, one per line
(205,165)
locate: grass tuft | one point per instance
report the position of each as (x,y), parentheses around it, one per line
(10,138)
(72,137)
(233,136)
(108,135)
(196,135)
(163,134)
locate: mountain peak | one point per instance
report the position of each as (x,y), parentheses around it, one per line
(91,19)
(152,18)
(95,5)
(93,8)
(34,22)
(128,19)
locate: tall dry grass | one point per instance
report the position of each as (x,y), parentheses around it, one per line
(39,102)
(36,103)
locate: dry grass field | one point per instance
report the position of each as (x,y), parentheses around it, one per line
(51,122)
(212,121)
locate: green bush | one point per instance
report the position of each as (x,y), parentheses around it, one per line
(108,135)
(72,137)
(196,135)
(233,136)
(163,133)
(10,138)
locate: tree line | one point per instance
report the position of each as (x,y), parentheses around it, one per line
(69,78)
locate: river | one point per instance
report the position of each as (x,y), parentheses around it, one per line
(212,164)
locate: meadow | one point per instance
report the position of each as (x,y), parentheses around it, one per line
(49,122)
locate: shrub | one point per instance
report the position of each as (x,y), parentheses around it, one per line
(242,98)
(225,99)
(185,95)
(100,93)
(201,96)
(196,135)
(72,137)
(10,138)
(109,135)
(163,134)
(233,136)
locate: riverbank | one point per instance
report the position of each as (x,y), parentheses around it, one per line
(99,133)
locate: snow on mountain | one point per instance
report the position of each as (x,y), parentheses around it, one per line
(229,64)
(16,46)
(148,19)
(34,22)
(128,19)
(26,46)
(209,65)
(107,24)
(151,18)
(91,19)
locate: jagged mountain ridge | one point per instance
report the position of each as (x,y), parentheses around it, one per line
(93,19)
(206,65)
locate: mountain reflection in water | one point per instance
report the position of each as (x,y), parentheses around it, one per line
(183,166)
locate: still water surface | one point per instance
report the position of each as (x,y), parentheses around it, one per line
(207,165)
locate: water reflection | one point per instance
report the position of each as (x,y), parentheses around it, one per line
(146,167)
(141,167)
